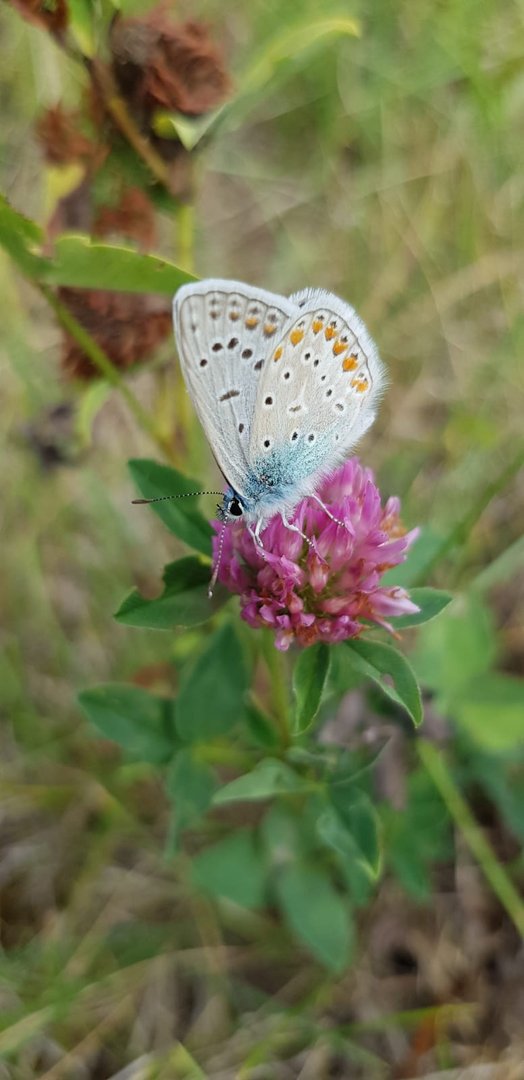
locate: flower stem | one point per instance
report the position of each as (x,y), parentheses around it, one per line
(103,364)
(276,666)
(186,235)
(481,849)
(185,240)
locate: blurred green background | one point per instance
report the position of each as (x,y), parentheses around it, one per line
(385,165)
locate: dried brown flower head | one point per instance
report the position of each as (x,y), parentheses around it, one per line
(159,64)
(60,138)
(132,217)
(127,327)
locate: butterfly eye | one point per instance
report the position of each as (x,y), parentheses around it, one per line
(235,508)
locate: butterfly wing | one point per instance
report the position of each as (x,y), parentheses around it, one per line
(224,332)
(319,389)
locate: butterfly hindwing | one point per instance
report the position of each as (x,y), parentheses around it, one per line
(224,332)
(320,386)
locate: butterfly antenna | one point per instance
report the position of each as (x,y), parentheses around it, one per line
(216,567)
(183,495)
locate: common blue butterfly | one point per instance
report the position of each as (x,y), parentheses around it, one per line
(284,388)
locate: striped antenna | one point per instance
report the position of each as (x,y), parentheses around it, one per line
(216,567)
(184,495)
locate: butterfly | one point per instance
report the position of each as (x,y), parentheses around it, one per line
(283,387)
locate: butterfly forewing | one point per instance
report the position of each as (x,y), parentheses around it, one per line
(321,384)
(225,332)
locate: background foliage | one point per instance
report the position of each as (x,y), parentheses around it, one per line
(190,891)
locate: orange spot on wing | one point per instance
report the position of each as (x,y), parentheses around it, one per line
(251,322)
(339,347)
(233,315)
(317,325)
(296,336)
(350,363)
(330,332)
(269,329)
(360,385)
(277,353)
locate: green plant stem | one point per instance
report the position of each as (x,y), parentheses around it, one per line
(186,236)
(123,120)
(103,364)
(179,399)
(279,689)
(502,886)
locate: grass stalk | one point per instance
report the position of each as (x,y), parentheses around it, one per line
(436,767)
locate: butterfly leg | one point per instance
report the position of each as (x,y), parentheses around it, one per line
(259,526)
(294,528)
(328,512)
(255,533)
(310,541)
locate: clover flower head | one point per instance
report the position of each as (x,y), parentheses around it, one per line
(330,590)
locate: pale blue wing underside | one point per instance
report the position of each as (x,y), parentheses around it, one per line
(224,332)
(318,393)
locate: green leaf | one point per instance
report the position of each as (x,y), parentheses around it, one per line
(20,236)
(377,661)
(133,7)
(270,777)
(233,868)
(458,647)
(188,130)
(491,708)
(261,727)
(284,833)
(352,865)
(309,679)
(184,601)
(190,784)
(430,601)
(418,836)
(87,264)
(316,913)
(138,721)
(211,698)
(81,262)
(181,516)
(88,406)
(359,819)
(81,25)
